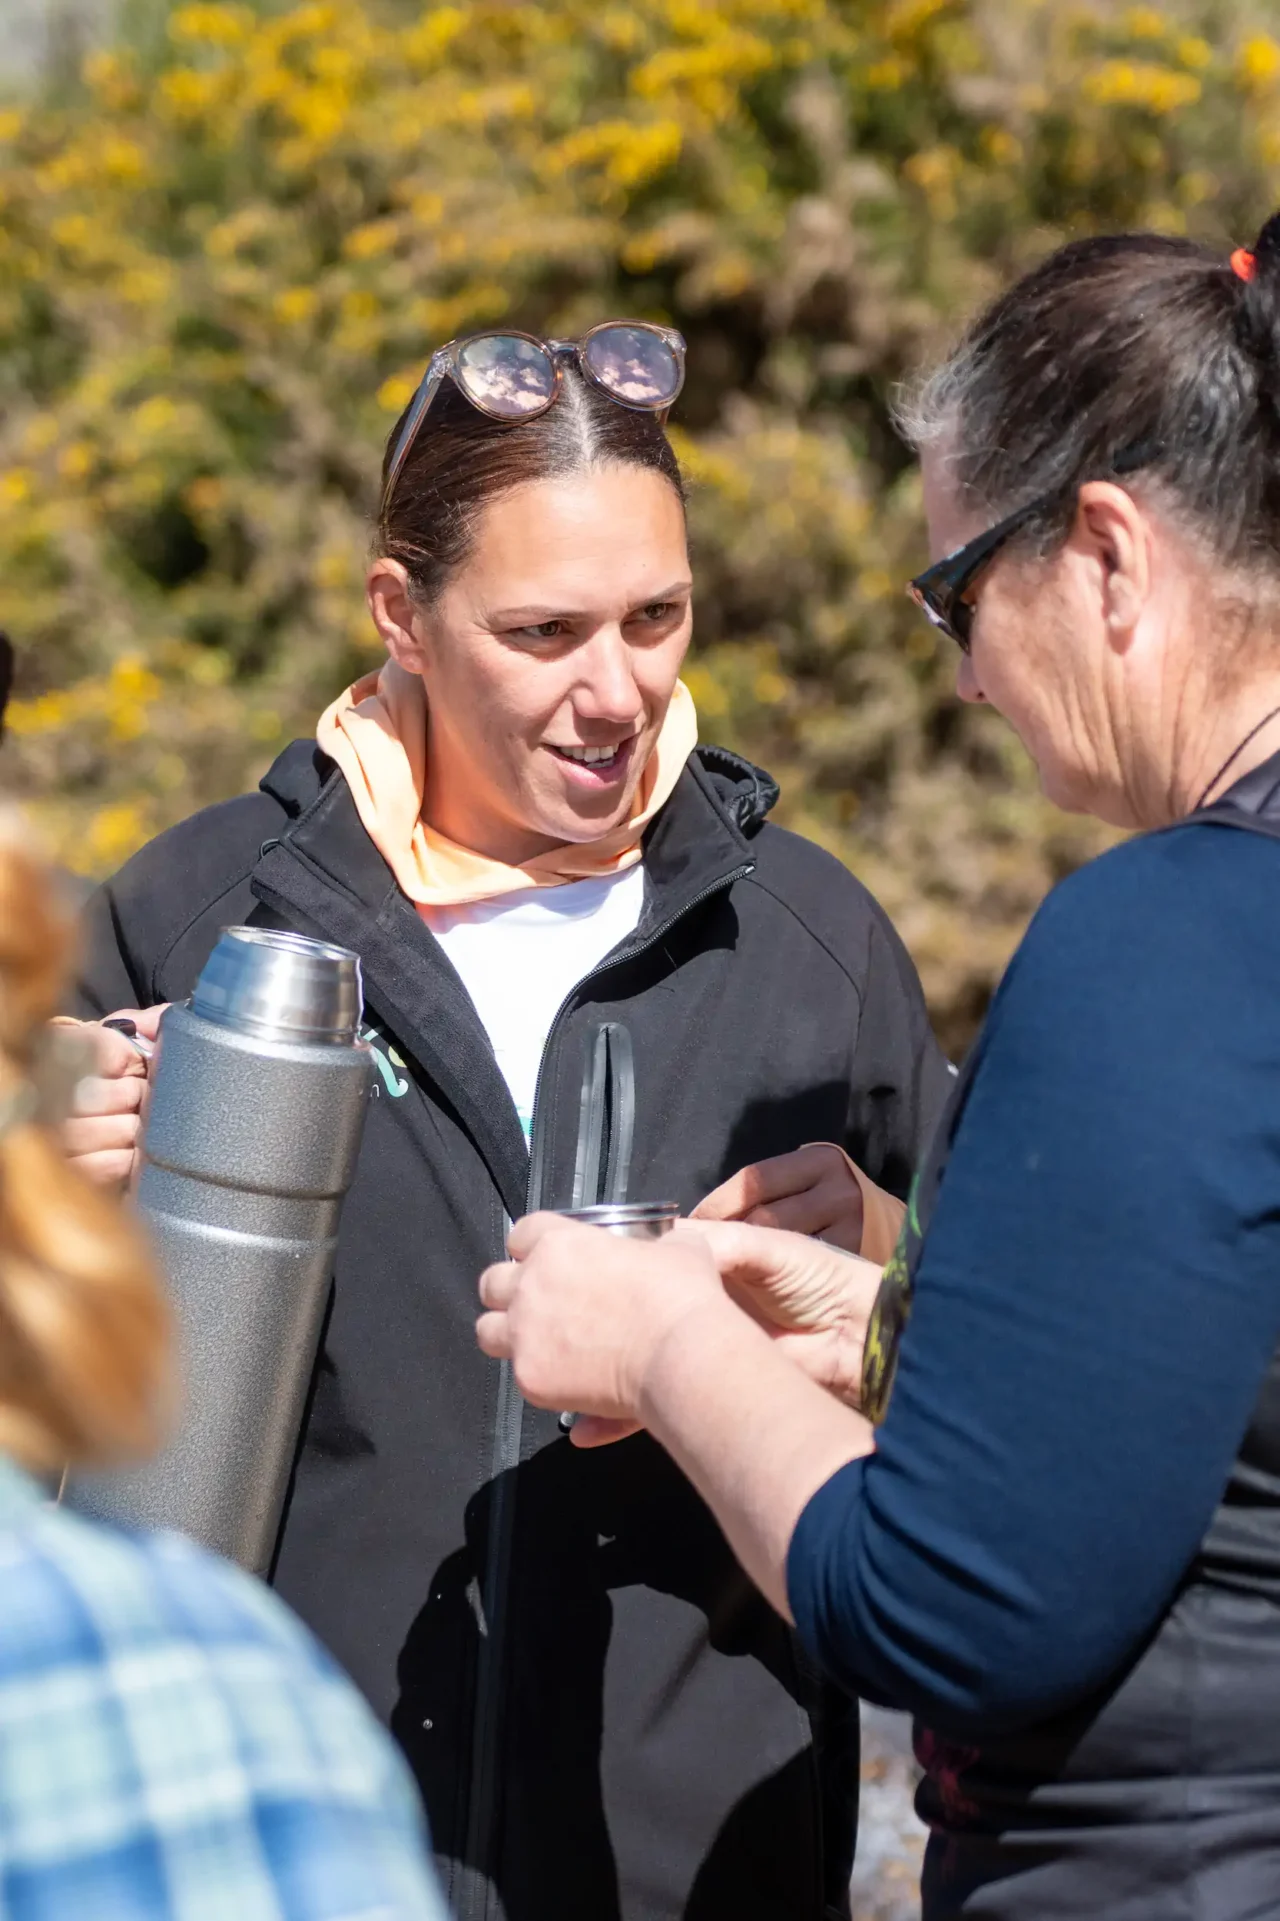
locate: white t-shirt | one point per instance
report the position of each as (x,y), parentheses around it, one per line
(521,956)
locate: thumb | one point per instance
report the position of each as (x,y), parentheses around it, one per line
(525,1235)
(598,1430)
(741,1251)
(148,1020)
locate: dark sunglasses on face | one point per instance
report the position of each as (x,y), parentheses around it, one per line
(941,589)
(516,376)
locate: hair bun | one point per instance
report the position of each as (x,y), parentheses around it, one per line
(1266,248)
(1258,315)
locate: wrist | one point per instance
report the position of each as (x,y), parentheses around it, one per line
(690,1347)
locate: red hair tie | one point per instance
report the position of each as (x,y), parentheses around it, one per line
(1243,263)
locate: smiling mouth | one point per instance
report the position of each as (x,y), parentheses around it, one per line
(597,760)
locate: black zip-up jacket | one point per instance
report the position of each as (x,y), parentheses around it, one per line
(607,1721)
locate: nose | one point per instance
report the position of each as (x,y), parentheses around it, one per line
(968,686)
(606,690)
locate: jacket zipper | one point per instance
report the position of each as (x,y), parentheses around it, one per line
(533,1197)
(478,1898)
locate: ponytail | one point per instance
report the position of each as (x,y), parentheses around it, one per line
(83,1329)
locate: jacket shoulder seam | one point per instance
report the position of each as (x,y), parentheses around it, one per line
(755,879)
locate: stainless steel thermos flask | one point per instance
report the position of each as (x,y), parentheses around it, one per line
(257,1108)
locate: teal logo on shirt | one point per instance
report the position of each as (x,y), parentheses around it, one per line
(386,1060)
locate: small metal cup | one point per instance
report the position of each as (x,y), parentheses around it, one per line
(634,1221)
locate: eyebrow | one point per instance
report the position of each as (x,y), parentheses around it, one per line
(534,616)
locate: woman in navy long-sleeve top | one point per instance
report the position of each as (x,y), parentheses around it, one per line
(1061,1547)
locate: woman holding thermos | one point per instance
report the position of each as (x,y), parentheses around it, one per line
(569,919)
(1061,1548)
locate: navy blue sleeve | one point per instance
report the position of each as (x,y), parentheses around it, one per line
(1096,1304)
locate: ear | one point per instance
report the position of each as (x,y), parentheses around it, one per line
(395,613)
(1114,535)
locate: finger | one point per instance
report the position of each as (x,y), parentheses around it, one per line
(739,1249)
(94,1095)
(147,1020)
(836,1208)
(498,1285)
(493,1336)
(831,1204)
(523,1235)
(845,1231)
(765,1181)
(597,1430)
(804,1213)
(728,1202)
(101,1134)
(108,1169)
(117,1057)
(527,1233)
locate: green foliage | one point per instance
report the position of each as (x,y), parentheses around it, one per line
(225,258)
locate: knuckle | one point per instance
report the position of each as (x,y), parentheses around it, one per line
(88,1095)
(101,1134)
(104,1169)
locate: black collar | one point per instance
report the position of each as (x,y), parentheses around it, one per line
(1257,792)
(694,846)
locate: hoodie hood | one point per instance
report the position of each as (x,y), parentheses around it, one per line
(745,794)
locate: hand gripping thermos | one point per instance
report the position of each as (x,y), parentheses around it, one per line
(257,1109)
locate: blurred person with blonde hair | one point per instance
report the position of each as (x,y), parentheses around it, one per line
(176,1747)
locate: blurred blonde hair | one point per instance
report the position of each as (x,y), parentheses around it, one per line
(83,1328)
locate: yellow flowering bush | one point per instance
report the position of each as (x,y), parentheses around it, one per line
(226,255)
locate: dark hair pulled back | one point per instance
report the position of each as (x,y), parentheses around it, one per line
(1129,343)
(462,460)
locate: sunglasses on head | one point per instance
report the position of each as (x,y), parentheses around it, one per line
(516,376)
(941,589)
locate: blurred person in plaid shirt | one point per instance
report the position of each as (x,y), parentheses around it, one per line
(173,1745)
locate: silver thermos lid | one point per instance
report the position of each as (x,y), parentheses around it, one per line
(281,986)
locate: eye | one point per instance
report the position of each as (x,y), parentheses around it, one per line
(544,630)
(658,610)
